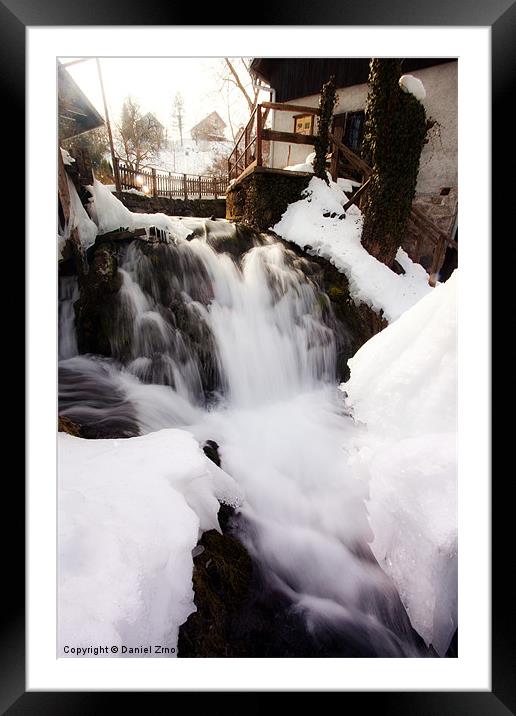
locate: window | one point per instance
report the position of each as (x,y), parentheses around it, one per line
(352,124)
(304,124)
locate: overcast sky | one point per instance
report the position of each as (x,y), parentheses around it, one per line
(154,82)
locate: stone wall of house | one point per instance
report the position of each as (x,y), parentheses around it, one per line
(261,198)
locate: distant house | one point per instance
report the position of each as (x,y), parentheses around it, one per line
(151,122)
(299,81)
(209,129)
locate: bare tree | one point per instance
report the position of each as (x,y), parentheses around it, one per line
(177,115)
(237,83)
(140,138)
(240,76)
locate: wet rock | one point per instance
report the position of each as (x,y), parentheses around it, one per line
(221,578)
(91,402)
(237,243)
(94,311)
(453,649)
(397,268)
(65,425)
(211,450)
(242,613)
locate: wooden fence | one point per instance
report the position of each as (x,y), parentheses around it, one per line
(173,186)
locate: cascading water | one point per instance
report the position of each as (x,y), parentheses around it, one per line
(68,294)
(242,350)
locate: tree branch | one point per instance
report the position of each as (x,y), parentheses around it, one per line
(239,84)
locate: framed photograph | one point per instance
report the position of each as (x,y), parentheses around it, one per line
(198,339)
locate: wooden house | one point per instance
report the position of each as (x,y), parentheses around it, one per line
(209,129)
(297,82)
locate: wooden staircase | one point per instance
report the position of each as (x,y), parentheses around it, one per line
(345,163)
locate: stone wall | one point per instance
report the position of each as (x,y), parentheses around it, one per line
(203,208)
(261,198)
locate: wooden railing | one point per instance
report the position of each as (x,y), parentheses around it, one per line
(173,186)
(249,147)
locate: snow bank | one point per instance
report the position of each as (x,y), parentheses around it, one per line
(300,168)
(412,85)
(403,387)
(348,186)
(79,219)
(338,240)
(110,214)
(130,513)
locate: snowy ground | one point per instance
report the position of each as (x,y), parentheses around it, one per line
(192,157)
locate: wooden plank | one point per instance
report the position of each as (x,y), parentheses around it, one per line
(259,135)
(437,261)
(300,108)
(291,137)
(352,158)
(119,235)
(425,222)
(354,197)
(334,164)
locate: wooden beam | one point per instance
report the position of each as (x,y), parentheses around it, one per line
(108,125)
(334,164)
(291,108)
(354,197)
(120,235)
(291,137)
(259,136)
(352,158)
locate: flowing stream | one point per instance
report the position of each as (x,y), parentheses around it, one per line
(242,349)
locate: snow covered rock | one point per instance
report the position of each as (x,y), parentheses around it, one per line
(110,214)
(403,386)
(130,514)
(371,282)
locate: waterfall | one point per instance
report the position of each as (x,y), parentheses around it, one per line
(68,293)
(241,347)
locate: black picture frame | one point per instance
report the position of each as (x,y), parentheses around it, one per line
(500,15)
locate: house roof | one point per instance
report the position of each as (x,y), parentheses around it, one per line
(213,117)
(302,77)
(76,112)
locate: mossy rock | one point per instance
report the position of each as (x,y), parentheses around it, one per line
(260,199)
(94,309)
(65,425)
(221,580)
